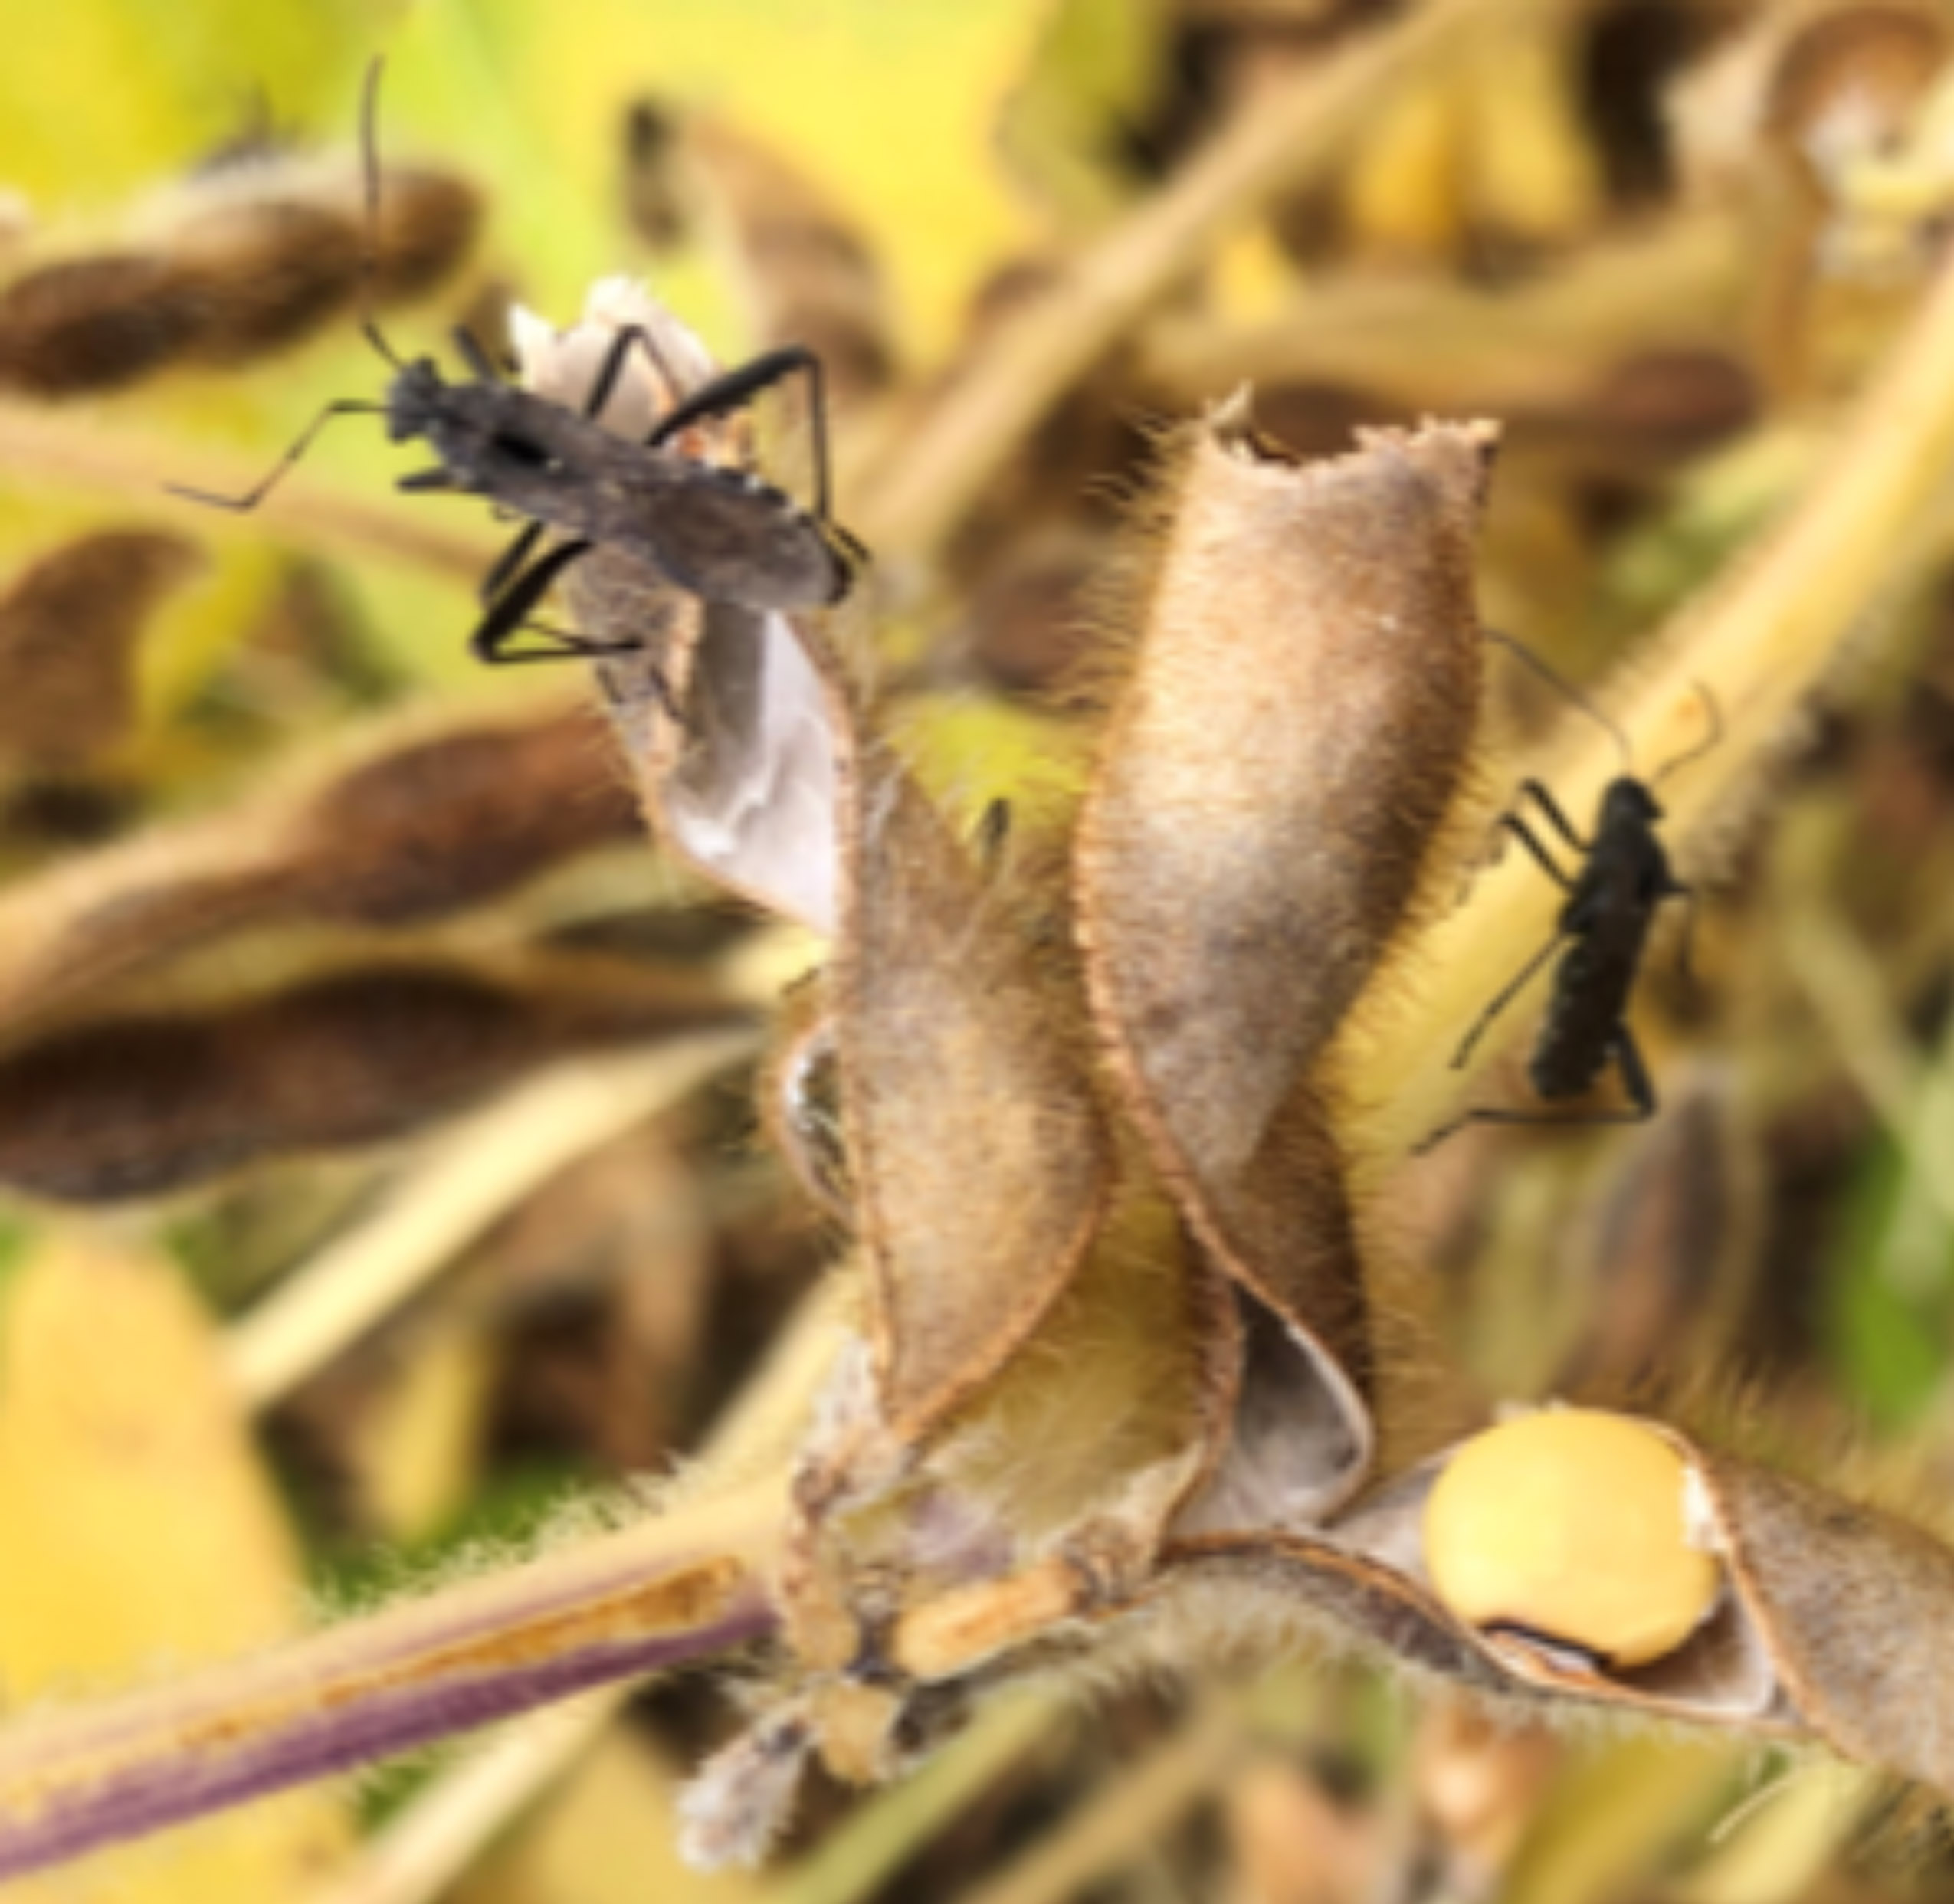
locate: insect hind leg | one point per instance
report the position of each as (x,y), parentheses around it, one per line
(734,389)
(1636,1084)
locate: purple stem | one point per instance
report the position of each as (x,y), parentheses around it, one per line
(175,1759)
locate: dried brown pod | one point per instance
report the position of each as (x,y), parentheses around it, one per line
(1004,1257)
(92,324)
(430,830)
(260,275)
(725,722)
(69,625)
(426,818)
(1245,859)
(1850,75)
(261,258)
(429,221)
(145,1101)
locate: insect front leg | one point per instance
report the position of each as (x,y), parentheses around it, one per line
(253,496)
(510,611)
(1537,791)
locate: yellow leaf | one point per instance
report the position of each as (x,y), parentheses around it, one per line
(138,1532)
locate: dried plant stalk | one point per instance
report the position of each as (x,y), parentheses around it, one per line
(483,1170)
(937,471)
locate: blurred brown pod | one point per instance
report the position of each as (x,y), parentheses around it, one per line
(69,629)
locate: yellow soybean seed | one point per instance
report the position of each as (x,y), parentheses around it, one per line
(1574,1523)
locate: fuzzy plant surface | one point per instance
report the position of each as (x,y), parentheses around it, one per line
(1096,909)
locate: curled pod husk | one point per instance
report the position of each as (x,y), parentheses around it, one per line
(1294,728)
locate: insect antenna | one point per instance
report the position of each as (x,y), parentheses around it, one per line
(1702,746)
(1567,690)
(370,326)
(369,244)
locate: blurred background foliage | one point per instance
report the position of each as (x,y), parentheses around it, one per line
(377,1103)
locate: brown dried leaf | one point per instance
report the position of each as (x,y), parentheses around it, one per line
(1295,728)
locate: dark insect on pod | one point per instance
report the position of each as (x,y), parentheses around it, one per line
(714,531)
(1612,899)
